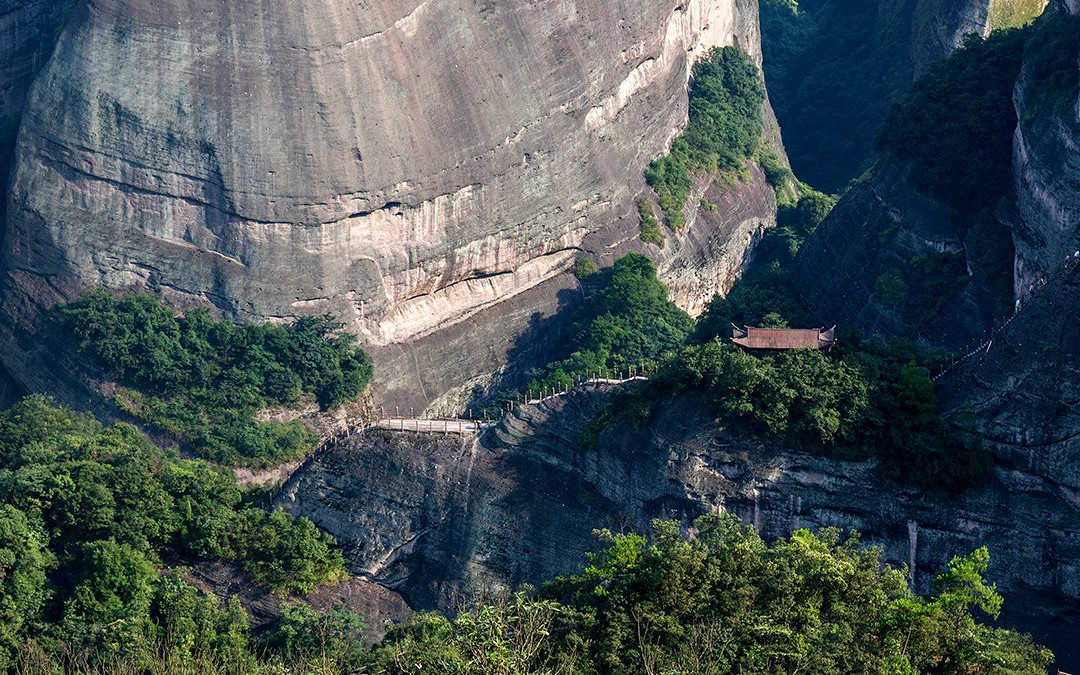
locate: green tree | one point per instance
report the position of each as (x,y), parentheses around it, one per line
(289,555)
(331,637)
(108,610)
(725,98)
(24,562)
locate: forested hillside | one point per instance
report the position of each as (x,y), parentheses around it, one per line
(98,525)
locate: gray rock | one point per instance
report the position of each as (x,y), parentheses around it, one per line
(28,32)
(1046,173)
(403,164)
(437,517)
(939,27)
(883,226)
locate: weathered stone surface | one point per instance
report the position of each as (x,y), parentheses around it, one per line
(435,516)
(1021,392)
(884,225)
(939,27)
(28,32)
(403,164)
(708,254)
(378,605)
(1046,173)
(10,391)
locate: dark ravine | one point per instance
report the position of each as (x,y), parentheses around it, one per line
(434,517)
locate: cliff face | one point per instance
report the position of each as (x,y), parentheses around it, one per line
(437,516)
(708,254)
(913,266)
(401,164)
(891,260)
(1046,173)
(1021,392)
(28,32)
(939,27)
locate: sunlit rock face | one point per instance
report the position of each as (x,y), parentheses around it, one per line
(401,164)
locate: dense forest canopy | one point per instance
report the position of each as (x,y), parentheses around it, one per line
(202,380)
(723,601)
(97,524)
(94,521)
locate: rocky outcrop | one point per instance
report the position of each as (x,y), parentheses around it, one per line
(1020,393)
(1046,173)
(1064,6)
(891,260)
(433,517)
(725,220)
(939,27)
(403,164)
(28,32)
(379,606)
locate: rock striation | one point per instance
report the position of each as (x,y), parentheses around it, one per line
(435,517)
(1046,174)
(939,27)
(709,254)
(28,32)
(403,164)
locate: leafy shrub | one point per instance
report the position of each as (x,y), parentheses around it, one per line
(799,394)
(777,173)
(202,380)
(286,554)
(627,321)
(891,287)
(332,638)
(1050,61)
(726,93)
(650,227)
(584,267)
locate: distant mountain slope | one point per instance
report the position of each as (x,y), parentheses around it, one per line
(834,67)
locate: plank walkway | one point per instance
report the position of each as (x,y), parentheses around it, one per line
(424,425)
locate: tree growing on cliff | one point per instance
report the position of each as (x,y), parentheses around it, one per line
(726,93)
(87,515)
(202,380)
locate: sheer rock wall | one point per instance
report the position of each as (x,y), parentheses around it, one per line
(403,164)
(1046,174)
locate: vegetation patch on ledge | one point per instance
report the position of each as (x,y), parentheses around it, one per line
(726,94)
(203,380)
(724,601)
